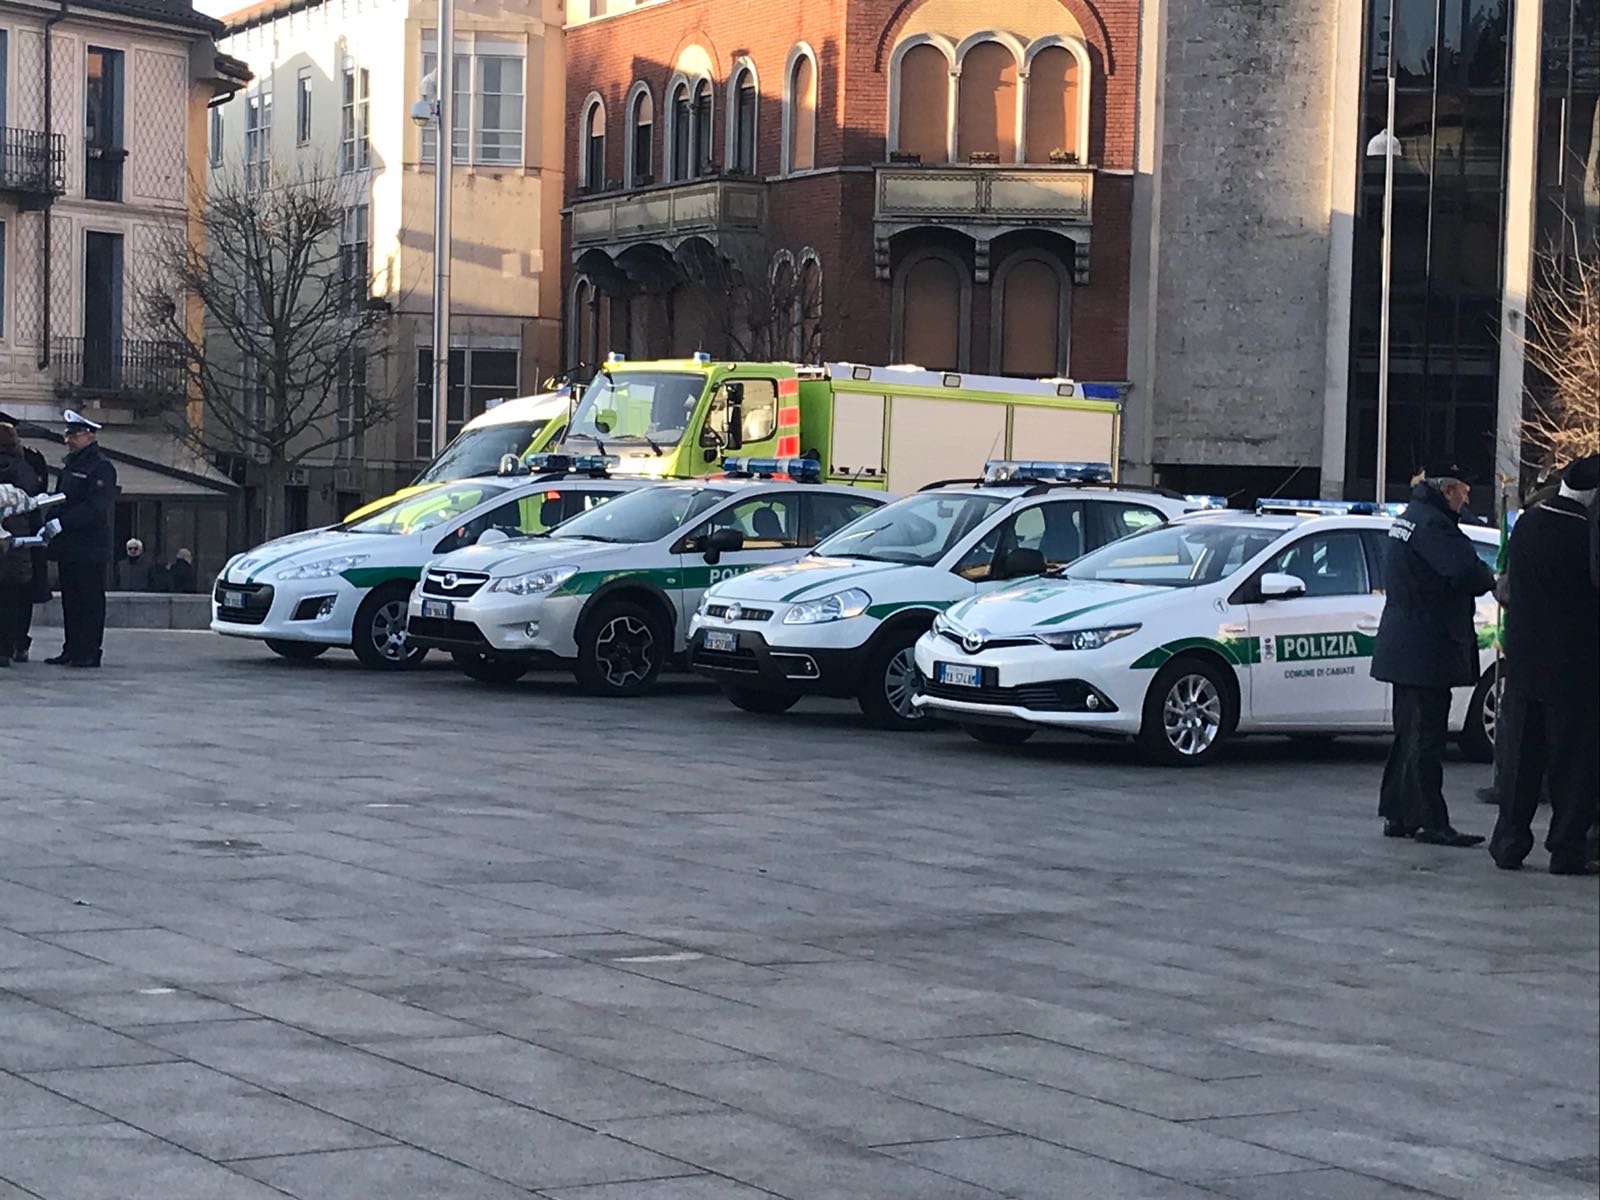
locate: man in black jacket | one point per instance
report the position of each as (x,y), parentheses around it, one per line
(80,542)
(1427,644)
(1550,711)
(41,563)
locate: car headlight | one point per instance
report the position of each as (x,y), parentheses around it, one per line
(1086,639)
(323,568)
(533,583)
(705,603)
(849,603)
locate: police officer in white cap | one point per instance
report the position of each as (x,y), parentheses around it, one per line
(79,536)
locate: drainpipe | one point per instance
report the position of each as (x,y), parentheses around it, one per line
(45,243)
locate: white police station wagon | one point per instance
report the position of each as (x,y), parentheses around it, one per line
(610,592)
(1184,634)
(842,621)
(347,585)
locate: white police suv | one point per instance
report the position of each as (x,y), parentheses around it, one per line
(347,585)
(1183,634)
(842,620)
(610,592)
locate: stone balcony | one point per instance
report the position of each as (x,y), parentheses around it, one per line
(984,202)
(669,214)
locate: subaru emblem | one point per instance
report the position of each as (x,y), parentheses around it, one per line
(972,641)
(735,612)
(450,580)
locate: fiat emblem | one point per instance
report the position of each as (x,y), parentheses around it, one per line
(450,580)
(735,612)
(972,641)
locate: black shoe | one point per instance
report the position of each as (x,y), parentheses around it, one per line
(20,654)
(60,660)
(1393,828)
(1572,867)
(1447,837)
(1506,864)
(95,663)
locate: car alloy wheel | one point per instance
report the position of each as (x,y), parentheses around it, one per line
(1192,714)
(900,684)
(626,651)
(389,631)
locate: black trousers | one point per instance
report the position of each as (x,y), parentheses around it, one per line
(83,609)
(1413,778)
(16,612)
(1555,751)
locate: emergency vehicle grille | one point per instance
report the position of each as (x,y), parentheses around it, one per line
(1069,695)
(257,603)
(727,660)
(720,611)
(993,643)
(455,633)
(452,585)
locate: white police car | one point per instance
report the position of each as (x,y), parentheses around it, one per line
(842,620)
(347,585)
(610,592)
(1183,634)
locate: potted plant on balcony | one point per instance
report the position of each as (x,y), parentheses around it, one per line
(983,158)
(1062,157)
(904,158)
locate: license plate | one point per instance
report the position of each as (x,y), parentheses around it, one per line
(715,639)
(957,674)
(232,599)
(442,609)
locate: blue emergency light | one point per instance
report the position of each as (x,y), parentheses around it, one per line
(805,470)
(998,470)
(1206,502)
(541,464)
(1100,391)
(701,357)
(1328,508)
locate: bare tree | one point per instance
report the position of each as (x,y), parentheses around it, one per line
(1562,417)
(267,304)
(764,306)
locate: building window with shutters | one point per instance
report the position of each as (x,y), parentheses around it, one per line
(592,156)
(743,97)
(920,86)
(800,111)
(640,166)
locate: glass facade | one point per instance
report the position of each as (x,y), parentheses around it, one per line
(1569,127)
(1452,60)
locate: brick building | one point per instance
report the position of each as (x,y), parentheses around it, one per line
(947,182)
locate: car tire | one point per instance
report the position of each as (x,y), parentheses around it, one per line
(1477,734)
(490,668)
(998,735)
(1189,712)
(378,634)
(295,651)
(622,649)
(889,680)
(753,701)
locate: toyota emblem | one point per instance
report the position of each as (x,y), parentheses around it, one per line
(734,612)
(972,641)
(450,580)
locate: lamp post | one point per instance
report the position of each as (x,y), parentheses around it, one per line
(1387,145)
(437,109)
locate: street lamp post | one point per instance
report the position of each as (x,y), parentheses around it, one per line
(1388,146)
(437,109)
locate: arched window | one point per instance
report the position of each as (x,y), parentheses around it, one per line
(1053,105)
(785,305)
(594,147)
(580,323)
(742,99)
(800,111)
(682,117)
(987,105)
(641,138)
(933,306)
(924,108)
(701,129)
(1030,316)
(810,348)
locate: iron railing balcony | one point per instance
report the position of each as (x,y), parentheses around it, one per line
(126,368)
(33,163)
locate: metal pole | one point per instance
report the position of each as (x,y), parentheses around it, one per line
(444,163)
(1383,326)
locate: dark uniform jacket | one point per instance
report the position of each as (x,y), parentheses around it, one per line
(89,482)
(1432,573)
(16,566)
(1553,609)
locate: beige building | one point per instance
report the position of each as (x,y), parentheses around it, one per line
(102,106)
(333,84)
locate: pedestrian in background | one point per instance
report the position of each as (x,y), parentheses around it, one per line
(183,572)
(133,572)
(80,542)
(16,566)
(1550,710)
(1427,644)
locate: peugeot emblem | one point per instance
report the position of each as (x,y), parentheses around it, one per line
(450,580)
(735,612)
(972,641)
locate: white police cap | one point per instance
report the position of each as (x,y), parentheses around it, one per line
(78,423)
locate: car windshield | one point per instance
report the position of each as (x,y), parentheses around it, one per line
(642,516)
(1177,555)
(479,451)
(433,507)
(919,529)
(638,406)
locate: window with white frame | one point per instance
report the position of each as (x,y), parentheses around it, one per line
(477,376)
(742,122)
(355,120)
(258,138)
(351,416)
(355,257)
(487,100)
(302,107)
(216,129)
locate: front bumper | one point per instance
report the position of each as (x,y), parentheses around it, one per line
(320,611)
(497,623)
(806,670)
(1034,685)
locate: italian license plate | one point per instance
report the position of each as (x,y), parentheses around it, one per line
(442,609)
(716,639)
(957,674)
(232,599)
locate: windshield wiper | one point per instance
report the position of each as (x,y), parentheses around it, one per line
(593,437)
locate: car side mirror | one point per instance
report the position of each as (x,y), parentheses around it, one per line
(1020,563)
(493,537)
(719,542)
(511,464)
(1277,586)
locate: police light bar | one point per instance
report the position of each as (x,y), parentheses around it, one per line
(805,470)
(613,357)
(1328,508)
(998,470)
(540,464)
(701,357)
(1206,502)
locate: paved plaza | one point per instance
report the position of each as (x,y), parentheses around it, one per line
(271,930)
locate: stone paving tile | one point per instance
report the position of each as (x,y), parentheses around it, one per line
(36,1038)
(1028,1169)
(400,1172)
(687,1187)
(1327,1183)
(115,1162)
(27,1105)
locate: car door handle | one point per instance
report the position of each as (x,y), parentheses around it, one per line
(1233,630)
(1367,625)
